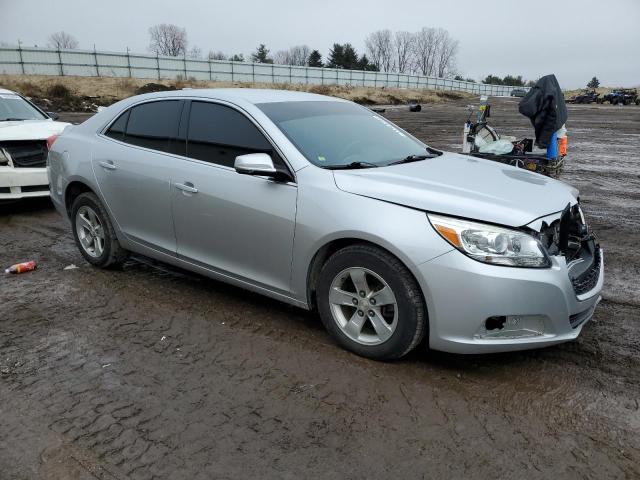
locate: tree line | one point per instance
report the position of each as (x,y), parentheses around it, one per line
(429,51)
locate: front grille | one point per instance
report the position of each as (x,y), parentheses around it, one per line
(588,280)
(27,154)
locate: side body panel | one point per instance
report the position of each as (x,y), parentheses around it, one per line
(326,214)
(238,224)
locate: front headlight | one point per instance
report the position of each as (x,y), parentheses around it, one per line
(491,244)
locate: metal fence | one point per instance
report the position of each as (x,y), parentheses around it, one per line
(87,63)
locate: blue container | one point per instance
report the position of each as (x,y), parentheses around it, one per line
(552,149)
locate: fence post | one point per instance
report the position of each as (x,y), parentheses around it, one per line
(290,77)
(337,78)
(95,59)
(306,75)
(322,76)
(20,56)
(184,64)
(253,72)
(128,62)
(210,75)
(60,62)
(273,78)
(350,77)
(158,64)
(231,71)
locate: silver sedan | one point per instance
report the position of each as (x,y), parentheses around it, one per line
(327,205)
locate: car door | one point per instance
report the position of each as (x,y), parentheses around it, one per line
(133,172)
(239,225)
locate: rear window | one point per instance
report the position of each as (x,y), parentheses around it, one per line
(117,128)
(152,125)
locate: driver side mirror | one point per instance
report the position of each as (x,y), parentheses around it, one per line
(53,115)
(255,164)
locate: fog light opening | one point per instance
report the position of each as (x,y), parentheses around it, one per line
(495,323)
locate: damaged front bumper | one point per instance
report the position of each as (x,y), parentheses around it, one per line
(479,308)
(16,183)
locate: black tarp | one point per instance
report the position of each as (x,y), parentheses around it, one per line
(544,106)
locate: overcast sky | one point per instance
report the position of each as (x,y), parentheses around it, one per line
(575,39)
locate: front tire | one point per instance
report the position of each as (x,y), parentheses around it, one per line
(370,303)
(94,234)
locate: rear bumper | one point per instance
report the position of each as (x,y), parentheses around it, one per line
(540,305)
(16,183)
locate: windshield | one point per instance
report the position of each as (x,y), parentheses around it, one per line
(14,107)
(331,134)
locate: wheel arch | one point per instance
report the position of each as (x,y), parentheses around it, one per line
(72,191)
(329,248)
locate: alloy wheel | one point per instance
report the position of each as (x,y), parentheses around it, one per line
(363,306)
(90,231)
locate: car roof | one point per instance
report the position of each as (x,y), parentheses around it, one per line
(4,90)
(250,95)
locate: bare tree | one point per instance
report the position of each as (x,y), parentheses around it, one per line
(216,55)
(195,52)
(168,39)
(379,47)
(62,40)
(404,46)
(446,54)
(425,49)
(297,55)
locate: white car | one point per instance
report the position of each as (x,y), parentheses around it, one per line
(24,130)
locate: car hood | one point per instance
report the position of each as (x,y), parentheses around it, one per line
(462,186)
(30,129)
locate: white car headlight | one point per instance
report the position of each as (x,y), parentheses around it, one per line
(491,244)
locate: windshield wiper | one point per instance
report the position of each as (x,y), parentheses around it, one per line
(13,120)
(351,166)
(411,158)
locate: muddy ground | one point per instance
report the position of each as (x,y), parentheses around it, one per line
(154,373)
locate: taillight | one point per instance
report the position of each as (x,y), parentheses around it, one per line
(50,141)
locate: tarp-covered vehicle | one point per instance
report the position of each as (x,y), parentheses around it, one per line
(544,105)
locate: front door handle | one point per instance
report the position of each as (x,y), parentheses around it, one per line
(187,187)
(108,165)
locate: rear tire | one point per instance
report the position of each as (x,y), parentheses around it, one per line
(94,234)
(370,303)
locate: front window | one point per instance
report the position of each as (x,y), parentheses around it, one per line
(332,134)
(15,108)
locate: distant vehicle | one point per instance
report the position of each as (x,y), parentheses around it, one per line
(622,97)
(324,204)
(518,92)
(24,129)
(587,96)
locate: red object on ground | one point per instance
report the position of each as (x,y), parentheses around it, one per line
(22,267)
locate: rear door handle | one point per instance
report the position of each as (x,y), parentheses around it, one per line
(187,187)
(108,165)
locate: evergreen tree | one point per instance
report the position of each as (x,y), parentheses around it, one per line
(594,83)
(315,59)
(350,59)
(261,55)
(364,64)
(336,56)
